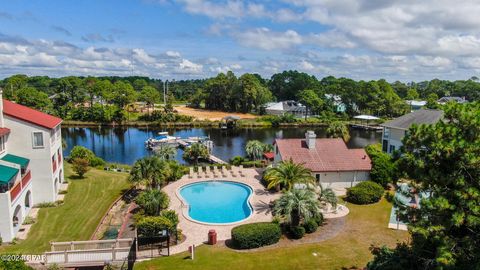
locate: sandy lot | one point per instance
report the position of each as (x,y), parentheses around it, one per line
(201,114)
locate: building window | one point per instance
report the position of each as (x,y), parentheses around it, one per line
(38,139)
(385,145)
(317,176)
(392,149)
(386,133)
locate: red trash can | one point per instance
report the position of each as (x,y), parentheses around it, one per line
(212,237)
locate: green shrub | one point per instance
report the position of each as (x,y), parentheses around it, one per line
(97,162)
(28,221)
(365,193)
(152,226)
(45,205)
(297,232)
(383,167)
(318,218)
(250,164)
(237,160)
(310,226)
(256,235)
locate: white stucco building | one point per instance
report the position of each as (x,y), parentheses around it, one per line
(395,130)
(31,163)
(332,163)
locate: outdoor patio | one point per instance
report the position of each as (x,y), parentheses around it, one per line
(197,233)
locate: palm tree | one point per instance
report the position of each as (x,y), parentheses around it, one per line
(165,151)
(297,205)
(254,149)
(288,173)
(338,130)
(195,152)
(152,201)
(151,171)
(327,196)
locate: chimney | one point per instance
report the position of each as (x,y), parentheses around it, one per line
(310,138)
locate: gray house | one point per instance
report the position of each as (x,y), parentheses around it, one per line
(395,130)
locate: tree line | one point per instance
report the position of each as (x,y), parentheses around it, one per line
(108,99)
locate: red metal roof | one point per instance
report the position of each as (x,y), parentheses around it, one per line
(30,115)
(327,156)
(4,131)
(269,155)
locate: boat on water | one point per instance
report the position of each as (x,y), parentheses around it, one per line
(162,137)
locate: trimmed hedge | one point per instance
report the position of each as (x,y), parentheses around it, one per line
(365,193)
(297,232)
(310,226)
(256,235)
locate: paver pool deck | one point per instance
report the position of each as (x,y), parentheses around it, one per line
(197,233)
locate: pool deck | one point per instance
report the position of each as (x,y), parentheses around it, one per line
(196,233)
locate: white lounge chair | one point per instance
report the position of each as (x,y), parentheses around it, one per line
(224,171)
(240,171)
(200,172)
(233,172)
(190,174)
(216,173)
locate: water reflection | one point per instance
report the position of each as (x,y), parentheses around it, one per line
(125,145)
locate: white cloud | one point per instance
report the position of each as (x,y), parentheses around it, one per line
(142,56)
(173,54)
(187,66)
(265,39)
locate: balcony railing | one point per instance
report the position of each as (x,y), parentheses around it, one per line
(17,189)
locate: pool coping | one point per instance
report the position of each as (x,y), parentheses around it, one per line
(186,206)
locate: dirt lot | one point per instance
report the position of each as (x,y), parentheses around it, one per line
(201,114)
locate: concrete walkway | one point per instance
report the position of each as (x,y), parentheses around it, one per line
(196,233)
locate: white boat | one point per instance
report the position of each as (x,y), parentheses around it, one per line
(162,137)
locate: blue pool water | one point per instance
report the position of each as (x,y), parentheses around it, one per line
(217,201)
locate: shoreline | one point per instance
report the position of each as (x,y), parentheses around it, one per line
(209,124)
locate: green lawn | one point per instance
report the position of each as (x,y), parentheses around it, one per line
(85,204)
(366,225)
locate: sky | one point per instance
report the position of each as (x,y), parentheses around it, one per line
(406,40)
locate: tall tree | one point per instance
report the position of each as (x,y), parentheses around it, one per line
(286,85)
(287,174)
(151,171)
(195,152)
(443,159)
(338,129)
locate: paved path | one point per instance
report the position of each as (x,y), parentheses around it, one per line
(197,233)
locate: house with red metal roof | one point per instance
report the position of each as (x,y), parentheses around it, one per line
(332,163)
(31,163)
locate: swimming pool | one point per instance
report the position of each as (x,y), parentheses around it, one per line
(217,202)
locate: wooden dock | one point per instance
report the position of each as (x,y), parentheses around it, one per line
(213,159)
(216,160)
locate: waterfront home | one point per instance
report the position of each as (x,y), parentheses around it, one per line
(338,105)
(30,163)
(445,100)
(287,106)
(416,104)
(395,130)
(330,160)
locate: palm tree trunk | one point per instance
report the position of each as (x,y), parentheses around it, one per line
(295,218)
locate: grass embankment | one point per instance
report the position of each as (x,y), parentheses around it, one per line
(86,202)
(365,225)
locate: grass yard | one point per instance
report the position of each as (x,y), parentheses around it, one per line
(85,204)
(366,225)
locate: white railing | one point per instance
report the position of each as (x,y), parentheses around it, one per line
(91,245)
(73,257)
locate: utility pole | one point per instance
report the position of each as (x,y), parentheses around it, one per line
(165,89)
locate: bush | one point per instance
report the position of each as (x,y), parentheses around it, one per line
(297,232)
(383,167)
(256,235)
(46,205)
(250,164)
(310,226)
(80,166)
(237,160)
(152,226)
(365,193)
(84,153)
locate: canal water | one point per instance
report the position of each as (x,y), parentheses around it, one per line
(126,144)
